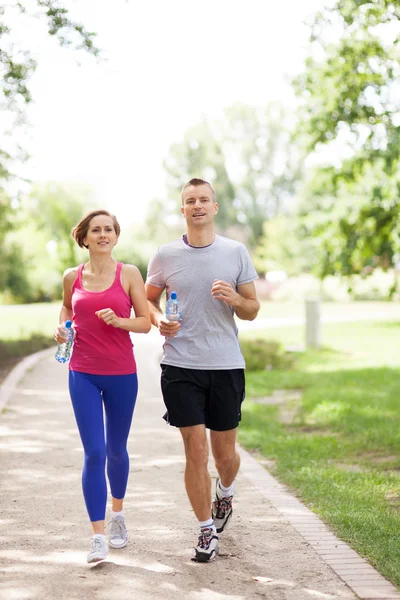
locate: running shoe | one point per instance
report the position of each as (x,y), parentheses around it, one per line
(221,510)
(118,537)
(207,546)
(98,551)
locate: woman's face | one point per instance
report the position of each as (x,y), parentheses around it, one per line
(101,236)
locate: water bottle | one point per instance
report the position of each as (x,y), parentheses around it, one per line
(64,350)
(173,308)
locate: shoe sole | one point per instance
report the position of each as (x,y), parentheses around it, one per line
(203,557)
(115,546)
(96,559)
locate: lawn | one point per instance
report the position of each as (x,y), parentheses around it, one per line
(25,329)
(20,321)
(336,442)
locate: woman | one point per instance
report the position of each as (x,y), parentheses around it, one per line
(98,297)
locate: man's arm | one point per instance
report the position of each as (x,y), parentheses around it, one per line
(165,327)
(243,301)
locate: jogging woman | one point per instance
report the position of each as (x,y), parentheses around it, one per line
(99,296)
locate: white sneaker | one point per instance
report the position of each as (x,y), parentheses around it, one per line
(207,546)
(118,537)
(99,550)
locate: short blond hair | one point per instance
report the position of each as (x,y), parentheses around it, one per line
(197,181)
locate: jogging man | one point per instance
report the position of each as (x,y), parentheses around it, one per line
(202,377)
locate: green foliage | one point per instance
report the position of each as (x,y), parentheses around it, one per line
(250,158)
(200,154)
(17,63)
(351,107)
(261,354)
(280,247)
(56,209)
(19,348)
(13,277)
(39,247)
(16,68)
(259,142)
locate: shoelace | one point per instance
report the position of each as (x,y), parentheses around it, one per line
(97,544)
(205,538)
(223,506)
(118,528)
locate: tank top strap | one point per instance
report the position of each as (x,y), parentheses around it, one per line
(78,280)
(118,278)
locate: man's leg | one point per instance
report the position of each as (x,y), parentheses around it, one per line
(227,462)
(197,477)
(198,489)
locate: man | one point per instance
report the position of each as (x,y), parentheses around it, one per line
(202,376)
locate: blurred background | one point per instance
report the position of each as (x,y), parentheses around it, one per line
(291,109)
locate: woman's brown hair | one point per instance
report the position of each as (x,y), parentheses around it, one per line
(79,232)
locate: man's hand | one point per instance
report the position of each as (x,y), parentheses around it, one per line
(225,292)
(168,328)
(108,316)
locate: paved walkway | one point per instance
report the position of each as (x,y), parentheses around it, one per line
(275,548)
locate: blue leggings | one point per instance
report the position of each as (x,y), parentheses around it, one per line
(118,394)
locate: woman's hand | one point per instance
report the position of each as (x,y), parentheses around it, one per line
(108,316)
(59,334)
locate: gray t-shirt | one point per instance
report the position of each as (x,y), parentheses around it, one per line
(208,338)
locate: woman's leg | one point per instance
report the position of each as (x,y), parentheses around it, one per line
(119,395)
(87,403)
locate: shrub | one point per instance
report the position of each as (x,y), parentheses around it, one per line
(261,354)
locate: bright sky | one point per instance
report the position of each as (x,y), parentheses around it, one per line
(169,64)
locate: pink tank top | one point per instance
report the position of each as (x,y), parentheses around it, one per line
(101,349)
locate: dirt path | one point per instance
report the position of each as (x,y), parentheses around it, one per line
(44,532)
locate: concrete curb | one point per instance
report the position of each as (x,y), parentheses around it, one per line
(11,381)
(355,571)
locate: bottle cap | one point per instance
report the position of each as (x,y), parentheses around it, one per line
(68,324)
(173,296)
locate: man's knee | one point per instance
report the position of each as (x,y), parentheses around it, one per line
(196,446)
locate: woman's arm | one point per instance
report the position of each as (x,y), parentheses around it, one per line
(140,323)
(66,309)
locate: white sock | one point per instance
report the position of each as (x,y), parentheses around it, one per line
(117,514)
(224,492)
(209,523)
(100,536)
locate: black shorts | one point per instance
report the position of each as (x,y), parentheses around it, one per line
(202,397)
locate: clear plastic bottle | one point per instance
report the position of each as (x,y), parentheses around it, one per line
(173,310)
(63,353)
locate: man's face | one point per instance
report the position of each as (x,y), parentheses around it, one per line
(198,207)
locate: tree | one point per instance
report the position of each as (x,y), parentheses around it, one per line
(12,265)
(200,154)
(350,116)
(55,210)
(250,158)
(17,65)
(280,247)
(259,142)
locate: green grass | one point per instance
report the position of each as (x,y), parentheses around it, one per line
(341,451)
(347,309)
(20,321)
(25,329)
